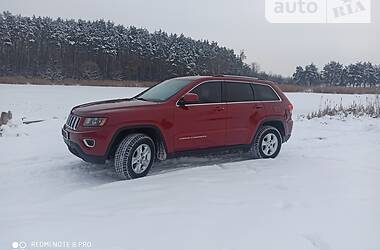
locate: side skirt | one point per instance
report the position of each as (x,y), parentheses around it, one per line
(204,152)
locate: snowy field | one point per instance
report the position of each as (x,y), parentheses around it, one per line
(321,193)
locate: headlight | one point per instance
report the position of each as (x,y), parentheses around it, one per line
(94,122)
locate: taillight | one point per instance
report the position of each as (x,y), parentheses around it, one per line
(290,107)
(289,111)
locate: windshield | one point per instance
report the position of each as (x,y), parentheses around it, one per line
(164,90)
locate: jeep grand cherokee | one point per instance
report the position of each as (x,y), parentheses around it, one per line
(181,115)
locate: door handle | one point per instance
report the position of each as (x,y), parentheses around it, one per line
(219,109)
(259,106)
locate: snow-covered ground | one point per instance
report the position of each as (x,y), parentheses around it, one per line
(322,192)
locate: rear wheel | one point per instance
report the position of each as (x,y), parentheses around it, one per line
(267,143)
(134,156)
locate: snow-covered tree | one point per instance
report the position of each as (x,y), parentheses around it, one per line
(332,73)
(308,76)
(377,75)
(299,75)
(312,75)
(355,75)
(370,77)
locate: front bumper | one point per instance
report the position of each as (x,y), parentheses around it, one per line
(74,142)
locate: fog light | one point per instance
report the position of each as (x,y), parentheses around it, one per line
(90,143)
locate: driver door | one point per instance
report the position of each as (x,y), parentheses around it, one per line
(203,124)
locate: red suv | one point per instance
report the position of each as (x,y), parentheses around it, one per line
(181,115)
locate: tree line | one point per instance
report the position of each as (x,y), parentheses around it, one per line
(360,74)
(78,49)
(56,49)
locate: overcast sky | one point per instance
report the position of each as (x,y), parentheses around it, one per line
(237,24)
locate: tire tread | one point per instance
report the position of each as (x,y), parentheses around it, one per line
(255,149)
(122,154)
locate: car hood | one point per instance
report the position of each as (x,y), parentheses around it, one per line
(103,107)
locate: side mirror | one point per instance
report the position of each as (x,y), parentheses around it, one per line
(188,98)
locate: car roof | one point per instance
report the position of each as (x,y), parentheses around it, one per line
(228,78)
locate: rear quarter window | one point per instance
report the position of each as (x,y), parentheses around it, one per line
(264,93)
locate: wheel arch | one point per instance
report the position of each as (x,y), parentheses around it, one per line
(150,130)
(274,122)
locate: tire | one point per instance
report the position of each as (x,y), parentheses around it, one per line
(267,143)
(138,148)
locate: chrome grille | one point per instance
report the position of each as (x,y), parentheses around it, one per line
(72,122)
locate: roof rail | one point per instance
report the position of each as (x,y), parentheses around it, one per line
(238,76)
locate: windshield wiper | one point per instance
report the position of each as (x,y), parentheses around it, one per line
(141,99)
(146,100)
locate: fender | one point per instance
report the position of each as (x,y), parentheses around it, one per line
(268,119)
(122,129)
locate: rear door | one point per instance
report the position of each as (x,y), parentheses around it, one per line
(202,124)
(269,99)
(243,112)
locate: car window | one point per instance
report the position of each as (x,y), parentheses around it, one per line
(164,90)
(237,92)
(209,92)
(264,93)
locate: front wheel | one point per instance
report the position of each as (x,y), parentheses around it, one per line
(267,143)
(134,156)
